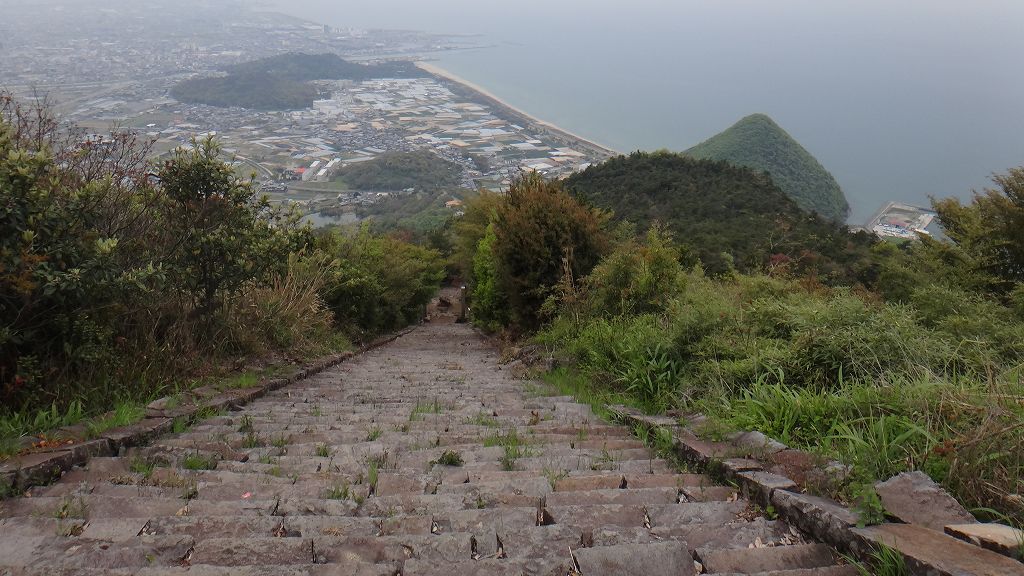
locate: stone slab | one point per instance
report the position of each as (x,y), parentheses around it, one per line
(937,554)
(999,538)
(663,558)
(37,468)
(914,498)
(758,560)
(759,485)
(826,519)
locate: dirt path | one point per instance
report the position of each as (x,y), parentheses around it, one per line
(420,457)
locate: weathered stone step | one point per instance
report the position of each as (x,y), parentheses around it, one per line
(738,534)
(535,486)
(70,553)
(199,570)
(588,517)
(641,496)
(482,567)
(668,558)
(757,560)
(88,506)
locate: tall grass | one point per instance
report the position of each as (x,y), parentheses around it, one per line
(885,387)
(288,312)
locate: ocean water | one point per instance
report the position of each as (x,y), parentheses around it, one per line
(899,99)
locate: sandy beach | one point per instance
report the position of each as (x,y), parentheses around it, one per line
(441,72)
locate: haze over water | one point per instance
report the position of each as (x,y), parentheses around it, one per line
(898,99)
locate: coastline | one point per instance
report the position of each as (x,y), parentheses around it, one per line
(501,105)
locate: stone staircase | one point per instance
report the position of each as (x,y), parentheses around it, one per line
(423,457)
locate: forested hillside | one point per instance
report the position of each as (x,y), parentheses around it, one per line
(758,142)
(724,215)
(255,90)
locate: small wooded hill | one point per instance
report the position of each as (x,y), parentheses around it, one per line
(758,142)
(721,212)
(421,169)
(255,90)
(282,82)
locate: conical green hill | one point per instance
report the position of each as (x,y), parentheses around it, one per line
(758,142)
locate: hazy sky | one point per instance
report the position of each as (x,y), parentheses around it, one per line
(966,18)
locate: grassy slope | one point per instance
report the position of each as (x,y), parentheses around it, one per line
(758,142)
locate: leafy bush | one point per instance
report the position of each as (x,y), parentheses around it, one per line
(119,280)
(987,231)
(489,305)
(379,283)
(638,277)
(223,235)
(541,232)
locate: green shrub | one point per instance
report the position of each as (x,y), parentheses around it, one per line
(489,305)
(637,278)
(224,236)
(379,283)
(541,233)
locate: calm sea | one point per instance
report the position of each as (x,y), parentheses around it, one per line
(899,99)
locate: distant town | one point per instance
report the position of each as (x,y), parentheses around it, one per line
(114,68)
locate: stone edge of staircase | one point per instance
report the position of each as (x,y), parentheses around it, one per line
(742,460)
(21,472)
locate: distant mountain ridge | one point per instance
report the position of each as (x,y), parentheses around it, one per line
(757,142)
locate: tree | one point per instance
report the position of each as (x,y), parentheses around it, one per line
(223,236)
(73,214)
(489,304)
(536,227)
(989,232)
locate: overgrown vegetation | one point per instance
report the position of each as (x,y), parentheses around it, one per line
(898,358)
(121,281)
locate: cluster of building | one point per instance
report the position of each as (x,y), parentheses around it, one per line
(105,66)
(901,221)
(94,42)
(422,113)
